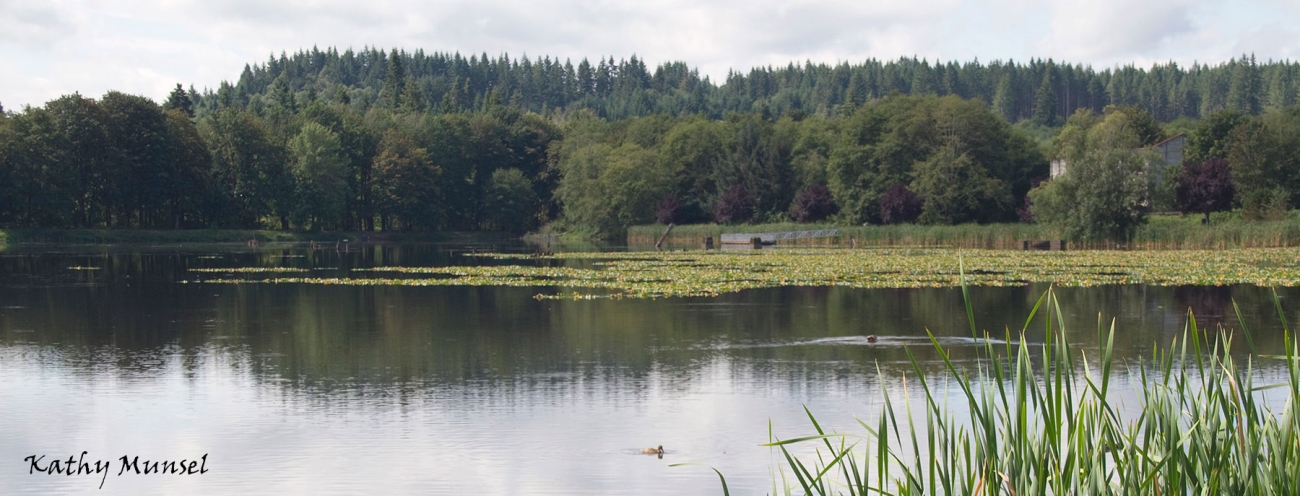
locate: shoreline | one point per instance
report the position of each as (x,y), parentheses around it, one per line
(11,238)
(1161,232)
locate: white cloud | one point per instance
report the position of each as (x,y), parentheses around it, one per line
(33,23)
(60,46)
(1115,30)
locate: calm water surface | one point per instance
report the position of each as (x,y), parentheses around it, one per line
(448,390)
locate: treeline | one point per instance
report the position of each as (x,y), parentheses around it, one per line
(124,161)
(1115,177)
(1043,91)
(931,159)
(383,153)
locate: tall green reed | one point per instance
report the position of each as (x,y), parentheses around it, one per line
(1044,421)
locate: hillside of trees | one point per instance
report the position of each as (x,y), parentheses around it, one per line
(1041,90)
(370,140)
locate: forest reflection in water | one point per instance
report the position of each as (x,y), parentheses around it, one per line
(482,388)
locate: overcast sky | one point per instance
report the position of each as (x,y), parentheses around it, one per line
(53,47)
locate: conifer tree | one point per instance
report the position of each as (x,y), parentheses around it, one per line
(1243,88)
(1045,101)
(180,100)
(1004,99)
(394,81)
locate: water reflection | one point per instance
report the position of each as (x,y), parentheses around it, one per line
(296,388)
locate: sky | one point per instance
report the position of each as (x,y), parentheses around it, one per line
(53,47)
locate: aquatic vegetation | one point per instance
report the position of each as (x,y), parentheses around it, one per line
(1040,420)
(700,273)
(250,270)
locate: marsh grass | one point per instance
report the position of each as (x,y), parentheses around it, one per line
(1159,233)
(1041,420)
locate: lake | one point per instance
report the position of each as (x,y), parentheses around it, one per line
(311,389)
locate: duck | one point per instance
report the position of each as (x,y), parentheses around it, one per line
(653,451)
(871,338)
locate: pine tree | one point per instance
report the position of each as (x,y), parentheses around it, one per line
(1281,93)
(1243,88)
(394,81)
(1004,100)
(1045,101)
(923,80)
(179,100)
(413,99)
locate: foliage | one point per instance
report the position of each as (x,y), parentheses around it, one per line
(1205,187)
(1027,422)
(956,190)
(601,150)
(320,176)
(1104,194)
(734,207)
(1210,137)
(813,204)
(179,100)
(628,88)
(406,184)
(668,210)
(247,167)
(922,140)
(1101,197)
(512,204)
(1266,204)
(900,205)
(1264,155)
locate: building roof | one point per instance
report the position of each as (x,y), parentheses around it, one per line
(1171,138)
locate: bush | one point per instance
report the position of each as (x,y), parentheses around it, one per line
(814,204)
(734,207)
(900,205)
(1266,204)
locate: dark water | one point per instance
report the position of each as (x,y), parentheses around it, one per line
(451,390)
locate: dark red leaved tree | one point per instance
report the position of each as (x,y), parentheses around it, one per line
(1205,187)
(814,204)
(734,206)
(899,205)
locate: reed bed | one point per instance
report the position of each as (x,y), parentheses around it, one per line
(1041,420)
(1160,233)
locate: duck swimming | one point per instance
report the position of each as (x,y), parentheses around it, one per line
(871,338)
(653,451)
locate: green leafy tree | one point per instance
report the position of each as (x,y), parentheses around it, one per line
(691,151)
(512,204)
(248,169)
(142,170)
(319,170)
(407,185)
(1104,193)
(189,191)
(1264,157)
(78,163)
(955,189)
(1210,138)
